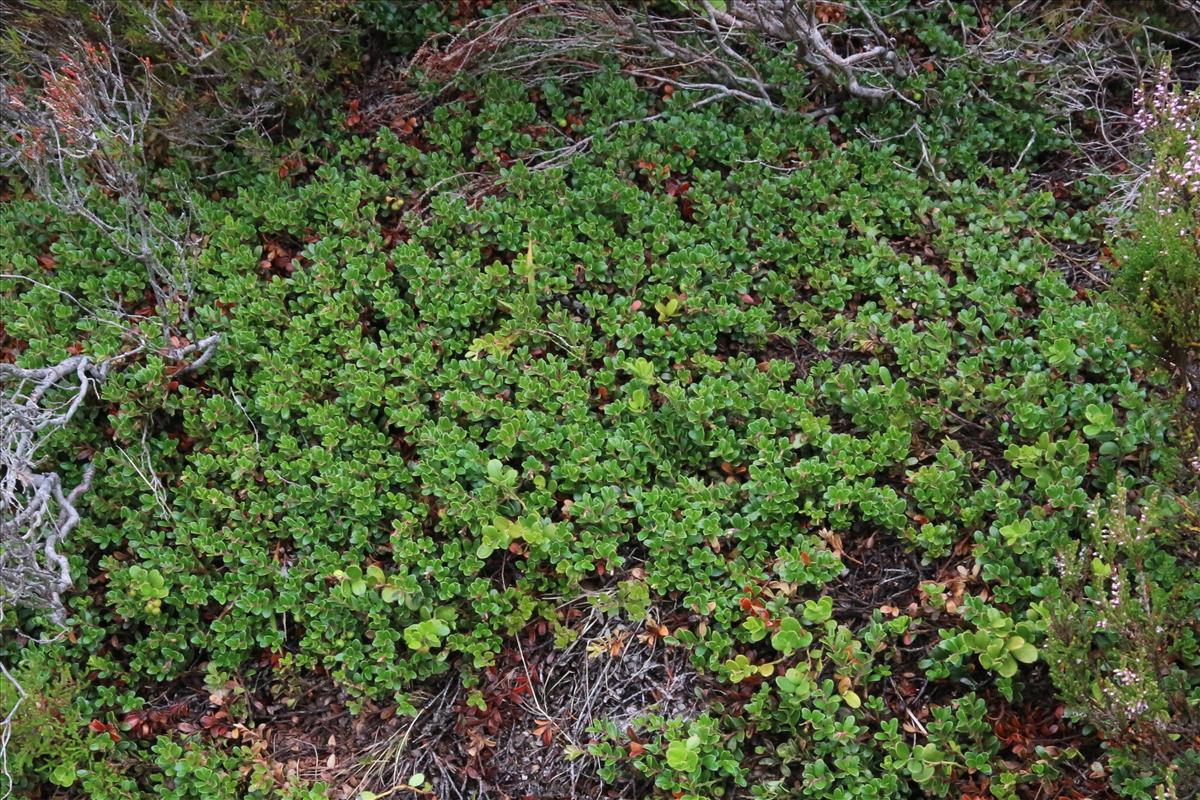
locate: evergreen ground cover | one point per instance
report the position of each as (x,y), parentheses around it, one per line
(792,427)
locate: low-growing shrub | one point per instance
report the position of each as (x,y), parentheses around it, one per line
(1158,260)
(787,402)
(52,741)
(1122,642)
(219,69)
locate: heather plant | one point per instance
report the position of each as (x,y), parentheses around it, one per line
(1158,261)
(51,740)
(1122,642)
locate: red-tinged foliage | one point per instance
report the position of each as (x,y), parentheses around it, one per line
(148,722)
(96,726)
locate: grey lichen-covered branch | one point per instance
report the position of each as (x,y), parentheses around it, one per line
(37,511)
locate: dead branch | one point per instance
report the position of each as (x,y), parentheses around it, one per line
(36,511)
(6,727)
(705,51)
(75,122)
(863,71)
(203,350)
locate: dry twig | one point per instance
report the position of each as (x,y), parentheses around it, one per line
(705,51)
(608,675)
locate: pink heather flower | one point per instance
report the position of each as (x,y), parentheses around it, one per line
(1124,676)
(1165,111)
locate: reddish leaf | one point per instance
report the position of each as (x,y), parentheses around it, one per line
(544,730)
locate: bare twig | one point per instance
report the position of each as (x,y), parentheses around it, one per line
(705,51)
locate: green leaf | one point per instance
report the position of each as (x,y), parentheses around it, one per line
(795,682)
(739,668)
(1016,531)
(755,628)
(682,755)
(1025,653)
(819,611)
(791,636)
(667,308)
(64,775)
(1006,667)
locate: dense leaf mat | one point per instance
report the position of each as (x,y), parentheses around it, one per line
(753,379)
